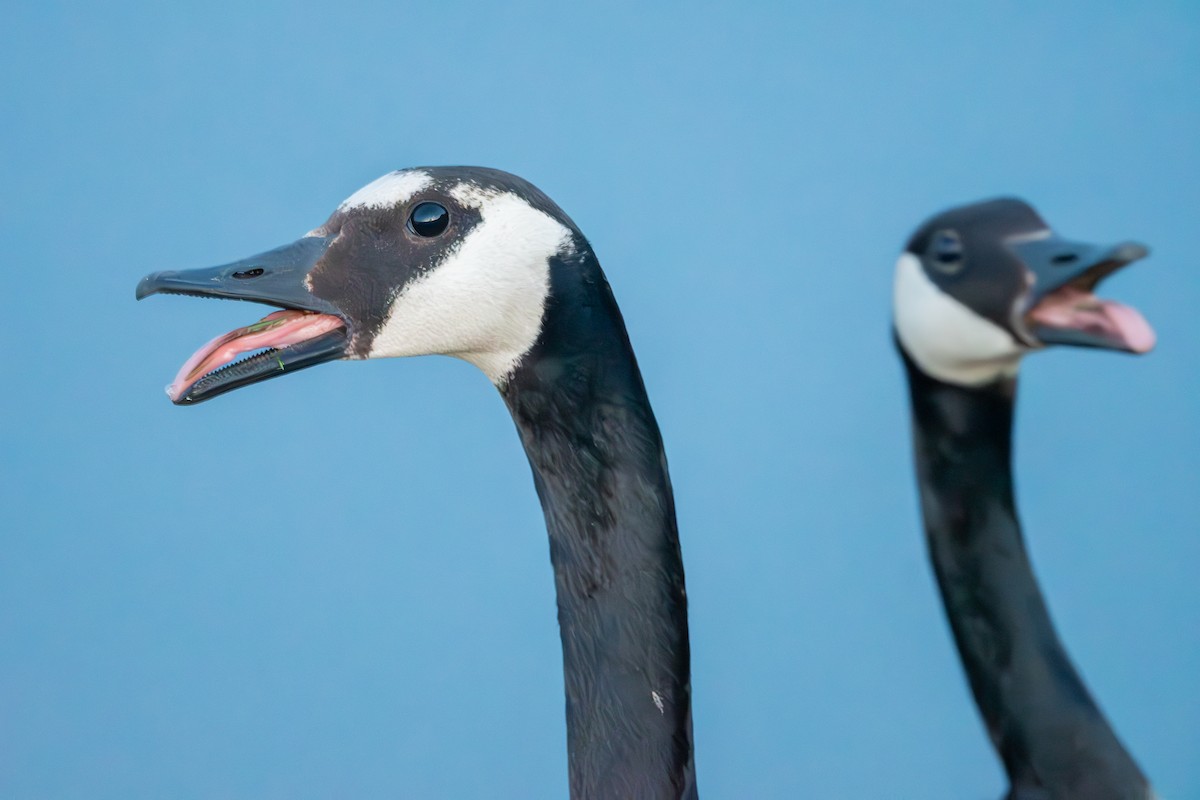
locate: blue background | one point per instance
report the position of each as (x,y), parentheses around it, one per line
(337,584)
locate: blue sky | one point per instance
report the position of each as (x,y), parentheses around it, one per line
(337,584)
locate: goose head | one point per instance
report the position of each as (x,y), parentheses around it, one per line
(435,260)
(981,285)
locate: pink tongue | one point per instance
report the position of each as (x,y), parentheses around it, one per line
(1076,309)
(279,329)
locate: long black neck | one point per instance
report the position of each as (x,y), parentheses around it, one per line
(598,463)
(1053,740)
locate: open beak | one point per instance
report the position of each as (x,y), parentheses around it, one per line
(1061,306)
(308,331)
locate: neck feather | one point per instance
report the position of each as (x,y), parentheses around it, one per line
(601,474)
(1042,721)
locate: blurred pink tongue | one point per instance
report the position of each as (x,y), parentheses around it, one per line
(279,329)
(1073,308)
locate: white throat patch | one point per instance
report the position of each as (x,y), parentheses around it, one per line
(390,190)
(484,301)
(947,340)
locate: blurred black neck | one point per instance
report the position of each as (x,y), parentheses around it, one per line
(598,463)
(1052,738)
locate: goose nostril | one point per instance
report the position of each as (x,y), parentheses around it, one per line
(250,273)
(1064,258)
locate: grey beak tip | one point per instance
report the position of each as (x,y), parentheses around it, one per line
(154,283)
(146,287)
(1131,251)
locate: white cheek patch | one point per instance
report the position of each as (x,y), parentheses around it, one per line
(484,301)
(392,189)
(946,339)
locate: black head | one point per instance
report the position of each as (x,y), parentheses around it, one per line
(981,284)
(451,260)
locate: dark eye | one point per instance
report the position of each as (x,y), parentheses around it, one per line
(946,252)
(428,219)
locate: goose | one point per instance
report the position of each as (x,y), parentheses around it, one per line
(479,264)
(977,288)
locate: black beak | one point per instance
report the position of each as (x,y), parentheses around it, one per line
(1056,262)
(1060,307)
(278,278)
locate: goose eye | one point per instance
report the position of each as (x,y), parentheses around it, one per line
(946,252)
(428,219)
